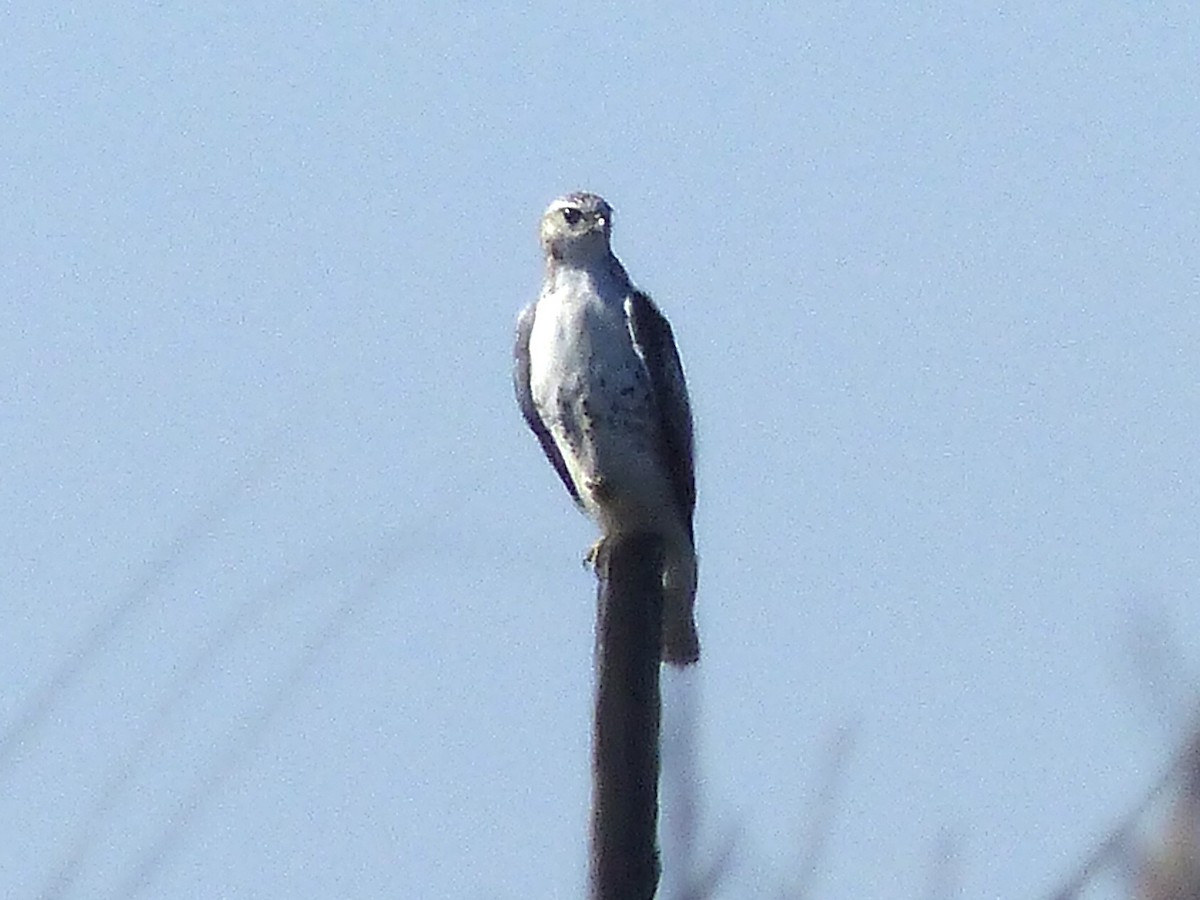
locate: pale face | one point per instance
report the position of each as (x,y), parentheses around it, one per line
(577,226)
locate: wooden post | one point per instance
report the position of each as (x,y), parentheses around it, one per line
(625,738)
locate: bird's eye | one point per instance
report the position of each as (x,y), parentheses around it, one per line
(572,215)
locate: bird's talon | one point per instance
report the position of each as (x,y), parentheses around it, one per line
(593,554)
(598,488)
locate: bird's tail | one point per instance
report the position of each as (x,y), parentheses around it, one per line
(681,642)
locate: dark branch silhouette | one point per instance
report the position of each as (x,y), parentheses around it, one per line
(625,740)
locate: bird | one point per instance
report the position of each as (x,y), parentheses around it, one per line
(599,381)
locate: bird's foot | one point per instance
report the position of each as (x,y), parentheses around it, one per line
(599,488)
(592,557)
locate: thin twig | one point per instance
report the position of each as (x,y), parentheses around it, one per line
(1117,839)
(833,774)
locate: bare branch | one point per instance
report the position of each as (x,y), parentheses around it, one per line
(833,773)
(1116,843)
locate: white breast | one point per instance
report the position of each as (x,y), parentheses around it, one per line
(593,392)
(580,342)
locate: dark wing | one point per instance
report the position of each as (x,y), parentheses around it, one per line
(525,400)
(655,343)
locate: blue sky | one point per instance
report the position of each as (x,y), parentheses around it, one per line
(309,600)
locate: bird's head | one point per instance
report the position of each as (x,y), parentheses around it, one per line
(577,227)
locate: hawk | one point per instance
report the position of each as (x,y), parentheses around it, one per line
(599,382)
